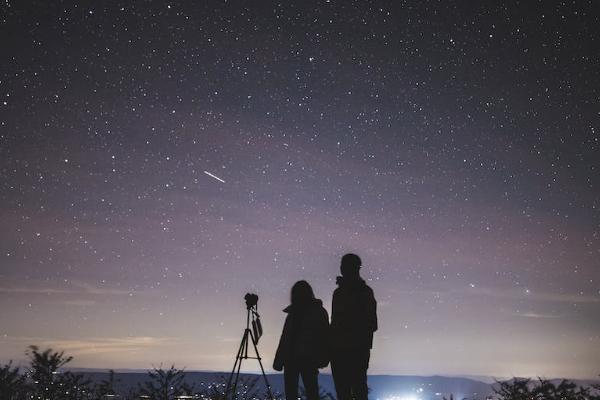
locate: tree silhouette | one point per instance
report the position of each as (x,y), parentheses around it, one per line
(165,384)
(542,389)
(596,395)
(106,387)
(564,390)
(49,383)
(246,390)
(46,379)
(12,383)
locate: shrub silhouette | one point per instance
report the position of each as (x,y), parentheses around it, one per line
(106,387)
(46,379)
(246,389)
(49,383)
(165,384)
(12,383)
(542,389)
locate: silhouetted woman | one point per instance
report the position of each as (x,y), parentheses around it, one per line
(302,348)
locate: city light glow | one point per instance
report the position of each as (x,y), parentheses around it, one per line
(403,397)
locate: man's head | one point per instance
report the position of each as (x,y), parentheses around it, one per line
(350,265)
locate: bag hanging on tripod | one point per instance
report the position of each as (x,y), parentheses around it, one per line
(257,329)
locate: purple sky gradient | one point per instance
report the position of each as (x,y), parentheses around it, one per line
(455,150)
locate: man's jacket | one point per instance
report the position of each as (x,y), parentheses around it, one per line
(353,315)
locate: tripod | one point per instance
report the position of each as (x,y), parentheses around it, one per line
(242,354)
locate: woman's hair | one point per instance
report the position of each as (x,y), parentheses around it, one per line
(302,293)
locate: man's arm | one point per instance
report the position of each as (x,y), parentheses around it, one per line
(324,339)
(372,311)
(335,309)
(279,361)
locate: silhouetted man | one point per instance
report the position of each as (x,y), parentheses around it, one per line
(353,321)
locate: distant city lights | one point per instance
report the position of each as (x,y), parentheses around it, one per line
(406,396)
(403,397)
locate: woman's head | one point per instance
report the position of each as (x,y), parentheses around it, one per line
(302,293)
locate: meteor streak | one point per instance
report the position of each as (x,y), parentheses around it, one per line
(214,176)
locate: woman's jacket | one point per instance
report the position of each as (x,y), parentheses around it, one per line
(305,337)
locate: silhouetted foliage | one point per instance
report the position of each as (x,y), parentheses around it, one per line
(48,382)
(12,383)
(246,389)
(165,384)
(542,389)
(106,388)
(46,379)
(596,386)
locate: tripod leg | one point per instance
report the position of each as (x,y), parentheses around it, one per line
(243,354)
(261,366)
(236,365)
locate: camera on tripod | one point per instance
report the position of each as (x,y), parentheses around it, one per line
(252,307)
(251,300)
(250,337)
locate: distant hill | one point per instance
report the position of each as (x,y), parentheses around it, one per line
(382,386)
(392,387)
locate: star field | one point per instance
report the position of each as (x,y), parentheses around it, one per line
(158,160)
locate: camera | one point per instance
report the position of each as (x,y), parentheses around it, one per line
(251,300)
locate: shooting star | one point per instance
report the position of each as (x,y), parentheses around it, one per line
(214,176)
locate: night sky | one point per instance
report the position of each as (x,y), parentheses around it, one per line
(159,160)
